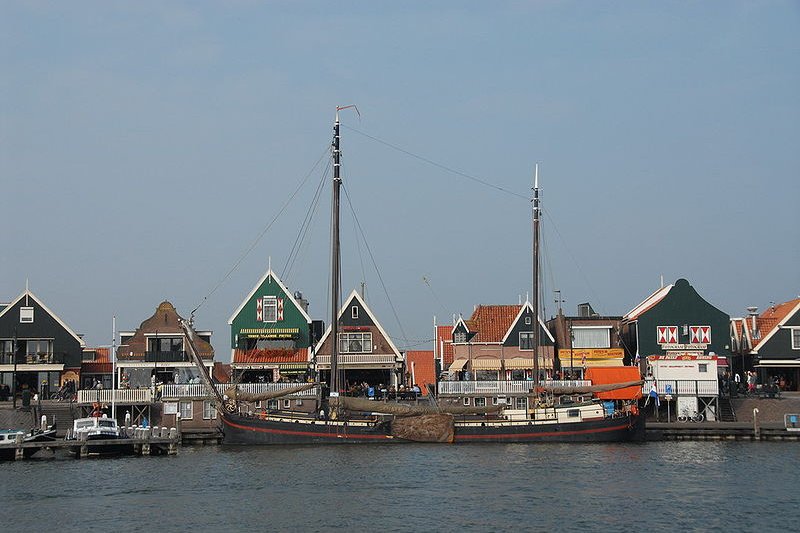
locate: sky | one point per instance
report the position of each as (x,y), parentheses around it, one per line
(156,151)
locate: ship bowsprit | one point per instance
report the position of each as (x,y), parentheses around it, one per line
(424,428)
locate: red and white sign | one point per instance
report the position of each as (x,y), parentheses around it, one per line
(280,308)
(259,310)
(667,334)
(700,334)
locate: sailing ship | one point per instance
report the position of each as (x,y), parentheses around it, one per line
(340,419)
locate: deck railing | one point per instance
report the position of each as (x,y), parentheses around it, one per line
(346,359)
(121,396)
(682,387)
(502,387)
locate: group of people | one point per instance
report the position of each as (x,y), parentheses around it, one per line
(382,392)
(747,383)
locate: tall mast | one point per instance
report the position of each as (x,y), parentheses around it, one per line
(535,295)
(335,259)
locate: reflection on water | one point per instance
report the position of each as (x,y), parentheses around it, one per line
(675,485)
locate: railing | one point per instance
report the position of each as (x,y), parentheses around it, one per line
(166,357)
(121,396)
(345,359)
(683,387)
(502,387)
(198,390)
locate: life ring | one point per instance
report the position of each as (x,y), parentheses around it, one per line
(634,409)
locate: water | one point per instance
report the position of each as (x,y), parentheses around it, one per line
(739,486)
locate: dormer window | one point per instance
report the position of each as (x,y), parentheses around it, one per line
(459,336)
(354,312)
(527,321)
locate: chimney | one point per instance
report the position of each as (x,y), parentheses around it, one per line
(752,312)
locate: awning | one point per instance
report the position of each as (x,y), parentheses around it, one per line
(269,333)
(486,364)
(519,363)
(458,365)
(779,363)
(26,367)
(292,366)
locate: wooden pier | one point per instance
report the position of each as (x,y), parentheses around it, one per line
(719,431)
(140,441)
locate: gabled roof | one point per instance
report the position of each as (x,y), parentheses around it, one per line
(366,308)
(29,294)
(267,274)
(771,320)
(648,303)
(423,368)
(492,322)
(527,307)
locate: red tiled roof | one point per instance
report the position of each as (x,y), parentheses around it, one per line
(444,340)
(271,356)
(491,322)
(424,368)
(769,319)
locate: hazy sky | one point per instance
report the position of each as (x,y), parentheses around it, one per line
(145,146)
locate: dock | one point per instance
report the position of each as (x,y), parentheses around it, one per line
(719,431)
(140,442)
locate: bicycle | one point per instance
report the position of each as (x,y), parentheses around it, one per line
(687,416)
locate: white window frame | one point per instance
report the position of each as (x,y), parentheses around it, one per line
(26,315)
(466,400)
(354,312)
(521,402)
(209,411)
(606,342)
(287,403)
(182,410)
(529,335)
(365,337)
(795,338)
(459,337)
(480,402)
(273,307)
(527,321)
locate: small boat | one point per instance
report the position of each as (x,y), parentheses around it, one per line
(8,440)
(105,432)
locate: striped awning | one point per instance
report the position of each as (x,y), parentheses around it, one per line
(518,363)
(269,332)
(458,365)
(292,366)
(486,364)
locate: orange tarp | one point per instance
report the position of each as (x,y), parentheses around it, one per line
(619,374)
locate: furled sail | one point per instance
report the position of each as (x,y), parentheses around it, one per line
(235,394)
(424,428)
(400,409)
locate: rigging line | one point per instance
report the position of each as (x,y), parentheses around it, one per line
(574,260)
(438,165)
(374,264)
(411,343)
(358,246)
(264,231)
(427,282)
(294,253)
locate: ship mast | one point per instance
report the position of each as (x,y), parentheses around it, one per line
(335,260)
(535,295)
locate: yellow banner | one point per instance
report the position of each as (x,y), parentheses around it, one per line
(578,354)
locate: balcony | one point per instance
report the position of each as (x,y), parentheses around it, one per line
(460,388)
(683,387)
(198,390)
(358,360)
(167,357)
(120,396)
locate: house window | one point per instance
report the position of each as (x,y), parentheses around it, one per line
(522,403)
(354,312)
(209,411)
(459,336)
(355,342)
(796,339)
(26,315)
(526,340)
(702,367)
(480,402)
(272,404)
(527,321)
(466,401)
(287,404)
(270,308)
(185,409)
(591,337)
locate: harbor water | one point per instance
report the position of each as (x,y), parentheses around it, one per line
(736,486)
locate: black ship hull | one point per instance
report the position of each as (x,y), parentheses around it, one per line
(239,429)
